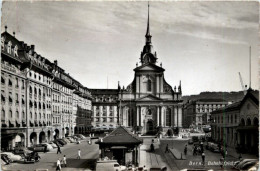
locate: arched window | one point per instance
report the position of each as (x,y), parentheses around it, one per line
(3,114)
(30,90)
(248,122)
(242,123)
(256,122)
(23,115)
(149,85)
(35,91)
(35,116)
(168,117)
(17,114)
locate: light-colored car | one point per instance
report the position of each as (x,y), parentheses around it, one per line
(49,147)
(53,145)
(65,139)
(109,165)
(13,156)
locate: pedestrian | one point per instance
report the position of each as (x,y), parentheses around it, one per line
(203,158)
(185,150)
(45,149)
(79,154)
(58,168)
(240,156)
(64,161)
(221,162)
(167,149)
(58,149)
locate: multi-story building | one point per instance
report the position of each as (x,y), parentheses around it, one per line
(237,125)
(197,112)
(37,97)
(25,94)
(62,101)
(105,108)
(82,104)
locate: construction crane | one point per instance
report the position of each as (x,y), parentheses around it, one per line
(242,84)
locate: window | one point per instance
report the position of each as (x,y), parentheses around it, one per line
(30,90)
(2,96)
(2,80)
(35,91)
(168,117)
(17,114)
(16,82)
(23,114)
(10,113)
(149,85)
(23,84)
(35,115)
(10,82)
(31,114)
(3,114)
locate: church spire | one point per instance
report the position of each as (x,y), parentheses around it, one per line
(148,55)
(148,35)
(148,26)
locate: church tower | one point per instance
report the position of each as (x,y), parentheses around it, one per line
(148,55)
(149,101)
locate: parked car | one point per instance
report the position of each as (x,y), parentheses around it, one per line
(66,140)
(12,156)
(49,147)
(53,145)
(57,143)
(190,141)
(72,140)
(38,147)
(5,158)
(109,165)
(212,147)
(62,142)
(21,151)
(243,163)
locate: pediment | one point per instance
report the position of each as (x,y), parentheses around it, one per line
(149,67)
(149,98)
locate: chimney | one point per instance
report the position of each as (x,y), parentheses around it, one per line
(55,62)
(32,47)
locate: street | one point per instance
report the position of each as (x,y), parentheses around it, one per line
(89,154)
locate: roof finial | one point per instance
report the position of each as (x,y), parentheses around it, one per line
(6,28)
(148,26)
(14,34)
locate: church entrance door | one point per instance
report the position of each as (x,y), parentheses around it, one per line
(149,127)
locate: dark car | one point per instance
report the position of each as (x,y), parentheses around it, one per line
(38,147)
(22,151)
(61,141)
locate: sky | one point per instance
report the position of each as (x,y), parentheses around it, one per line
(203,44)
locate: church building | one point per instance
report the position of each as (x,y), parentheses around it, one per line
(149,101)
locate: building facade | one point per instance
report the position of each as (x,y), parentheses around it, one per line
(105,108)
(237,125)
(149,101)
(36,97)
(197,112)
